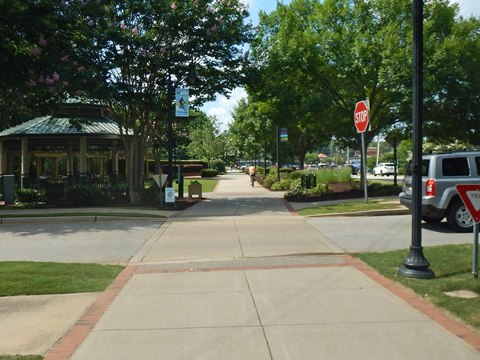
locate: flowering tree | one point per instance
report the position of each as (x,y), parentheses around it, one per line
(36,43)
(135,52)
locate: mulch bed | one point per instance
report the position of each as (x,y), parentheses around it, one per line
(180,204)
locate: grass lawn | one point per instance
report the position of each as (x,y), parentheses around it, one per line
(349,206)
(21,357)
(37,278)
(452,267)
(207,184)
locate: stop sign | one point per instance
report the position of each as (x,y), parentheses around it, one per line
(360,116)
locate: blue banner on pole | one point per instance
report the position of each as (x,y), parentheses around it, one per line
(182,105)
(283,135)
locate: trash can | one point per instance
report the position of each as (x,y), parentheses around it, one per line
(7,188)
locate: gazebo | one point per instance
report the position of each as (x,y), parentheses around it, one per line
(79,144)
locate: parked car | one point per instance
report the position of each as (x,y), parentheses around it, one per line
(384,169)
(440,174)
(357,165)
(312,167)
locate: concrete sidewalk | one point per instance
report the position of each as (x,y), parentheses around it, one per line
(238,276)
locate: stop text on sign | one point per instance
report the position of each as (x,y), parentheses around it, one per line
(361,116)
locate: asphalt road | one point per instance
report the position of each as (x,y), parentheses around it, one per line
(383,233)
(83,242)
(118,241)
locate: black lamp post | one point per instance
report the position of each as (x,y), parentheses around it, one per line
(171,109)
(415,264)
(191,78)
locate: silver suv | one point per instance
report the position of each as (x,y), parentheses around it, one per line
(440,174)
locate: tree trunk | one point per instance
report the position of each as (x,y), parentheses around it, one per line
(136,169)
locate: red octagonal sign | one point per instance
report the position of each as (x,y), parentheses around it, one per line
(361,117)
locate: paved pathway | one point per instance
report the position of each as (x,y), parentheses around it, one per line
(239,276)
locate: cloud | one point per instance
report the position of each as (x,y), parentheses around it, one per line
(223,107)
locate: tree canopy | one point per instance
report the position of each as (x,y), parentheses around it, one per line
(128,55)
(313,60)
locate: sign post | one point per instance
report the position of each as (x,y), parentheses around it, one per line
(470,195)
(361,119)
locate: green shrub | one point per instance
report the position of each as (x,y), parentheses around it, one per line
(282,185)
(208,173)
(378,189)
(219,165)
(260,171)
(29,196)
(286,170)
(269,180)
(296,191)
(94,196)
(320,189)
(295,175)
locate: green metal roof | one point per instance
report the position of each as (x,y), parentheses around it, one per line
(55,126)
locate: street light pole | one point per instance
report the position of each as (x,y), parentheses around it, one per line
(191,78)
(415,264)
(170,131)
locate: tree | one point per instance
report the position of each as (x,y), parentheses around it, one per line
(136,52)
(36,44)
(206,142)
(284,54)
(452,79)
(317,59)
(252,130)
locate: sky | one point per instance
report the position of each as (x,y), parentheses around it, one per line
(223,107)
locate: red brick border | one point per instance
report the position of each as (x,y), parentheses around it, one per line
(454,326)
(290,207)
(66,346)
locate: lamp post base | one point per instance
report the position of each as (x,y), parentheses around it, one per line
(416,266)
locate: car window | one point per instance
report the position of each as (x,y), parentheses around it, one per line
(455,167)
(477,162)
(425,165)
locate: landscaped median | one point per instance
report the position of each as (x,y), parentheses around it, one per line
(373,207)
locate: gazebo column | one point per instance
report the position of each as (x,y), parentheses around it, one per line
(83,161)
(25,165)
(70,163)
(55,169)
(3,159)
(114,163)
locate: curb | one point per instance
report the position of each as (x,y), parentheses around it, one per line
(384,212)
(72,219)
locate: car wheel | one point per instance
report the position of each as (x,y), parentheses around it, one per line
(431,220)
(458,217)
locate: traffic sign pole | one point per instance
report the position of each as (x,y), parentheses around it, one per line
(361,119)
(475,251)
(364,169)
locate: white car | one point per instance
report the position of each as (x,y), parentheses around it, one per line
(384,169)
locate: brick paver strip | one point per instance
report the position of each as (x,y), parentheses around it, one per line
(448,322)
(66,346)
